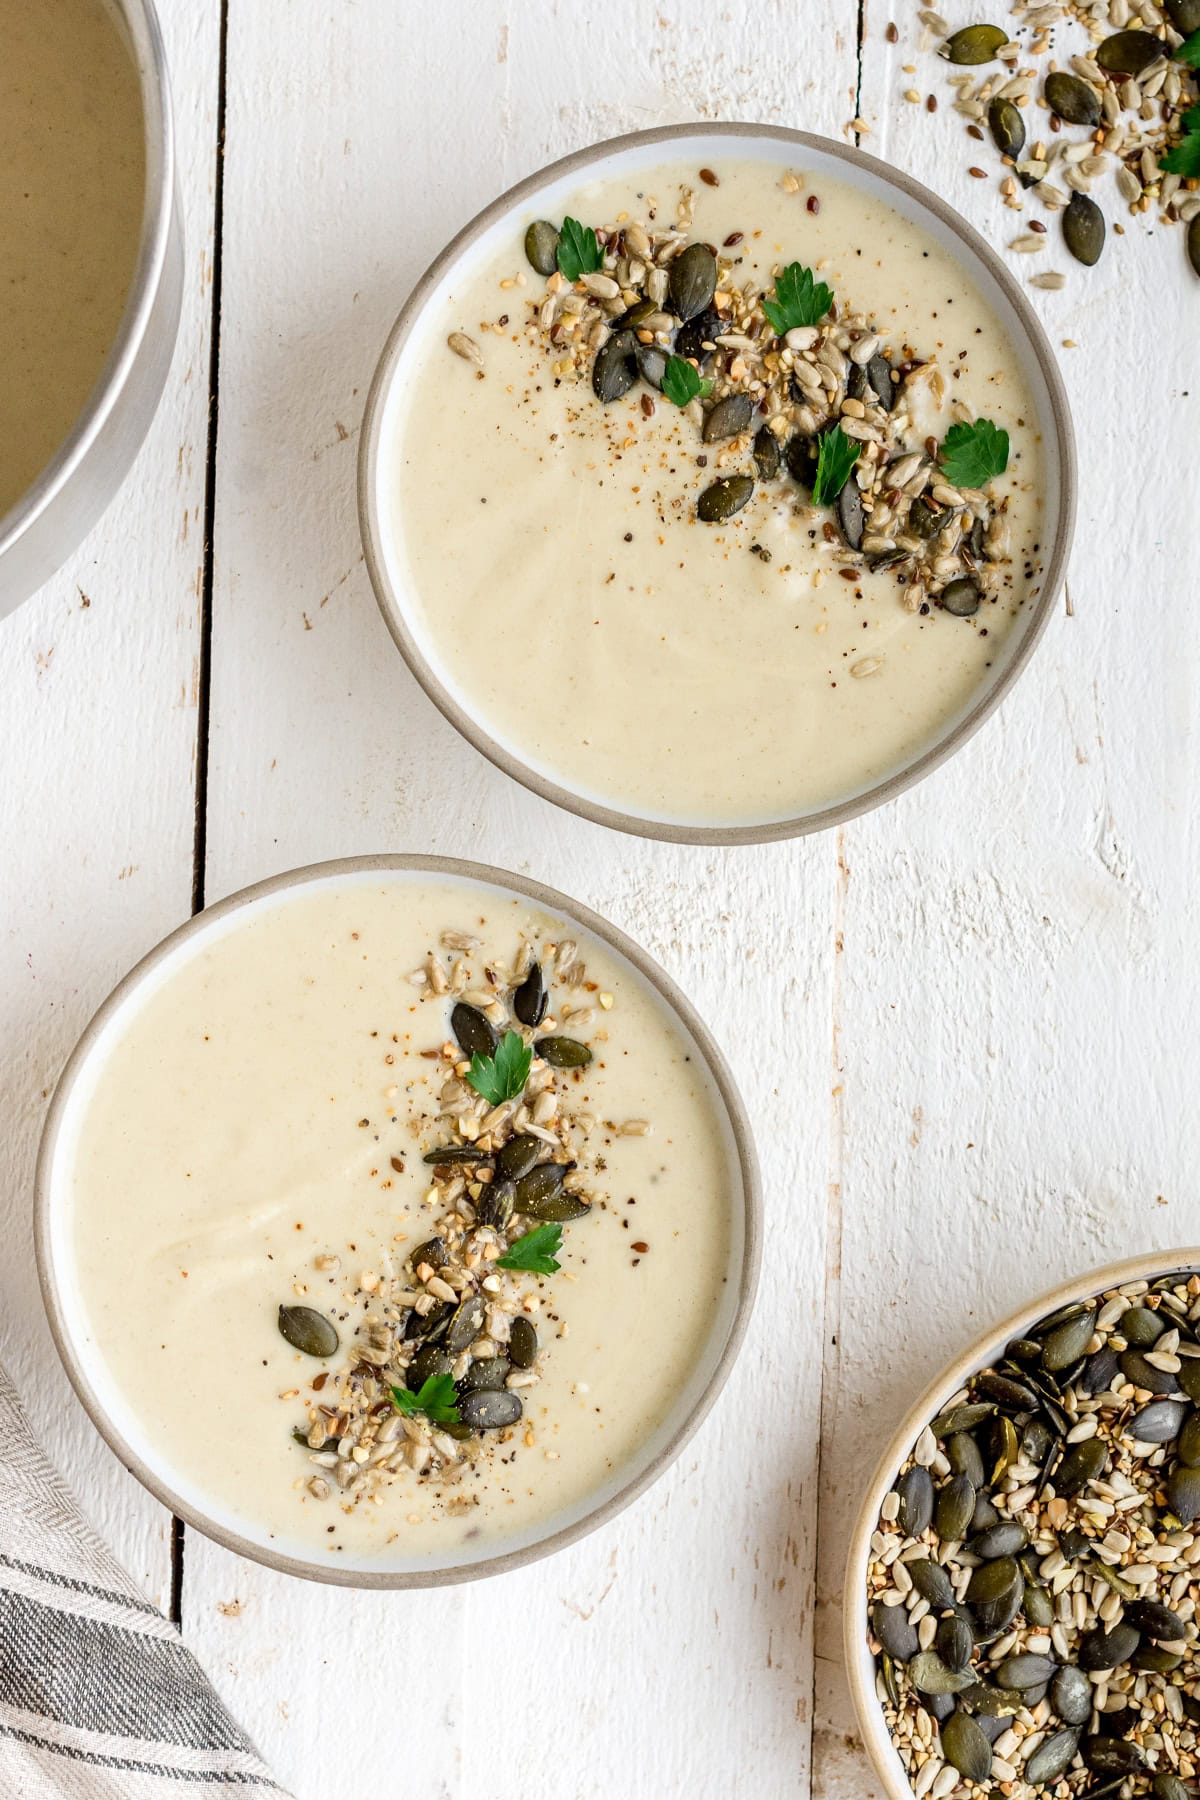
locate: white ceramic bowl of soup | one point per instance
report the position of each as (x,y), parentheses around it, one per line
(93,244)
(236,1121)
(669,684)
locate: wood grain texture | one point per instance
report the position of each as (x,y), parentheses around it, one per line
(97,745)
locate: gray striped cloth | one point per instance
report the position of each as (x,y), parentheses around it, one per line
(99,1700)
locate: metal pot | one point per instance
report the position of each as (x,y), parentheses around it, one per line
(70,494)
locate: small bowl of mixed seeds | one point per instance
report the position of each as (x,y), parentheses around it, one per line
(1021,1592)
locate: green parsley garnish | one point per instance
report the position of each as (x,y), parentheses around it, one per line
(682,381)
(535,1252)
(1189,51)
(972,454)
(578,251)
(501,1077)
(836,456)
(437,1400)
(799,300)
(1184,159)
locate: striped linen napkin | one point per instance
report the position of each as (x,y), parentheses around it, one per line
(99,1700)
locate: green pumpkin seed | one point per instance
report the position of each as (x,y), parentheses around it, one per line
(964,1745)
(1082,1463)
(851,516)
(1052,1758)
(961,1418)
(895,1631)
(724,498)
(961,598)
(1024,1350)
(931,1580)
(1128,52)
(563,1052)
(488,1375)
(991,1702)
(1083,229)
(476,1034)
(954,1642)
(652,362)
(429,1361)
(555,1207)
(1140,1327)
(891,1686)
(1156,1660)
(1004,1446)
(929,1674)
(522,1343)
(1157,1423)
(767,455)
(1026,1670)
(1142,1374)
(1068,1341)
(1100,1649)
(727,418)
(496,1205)
(433,1251)
(955,1505)
(518,1156)
(696,340)
(1007,127)
(964,1456)
(1037,1606)
(465,1324)
(973,44)
(915,1488)
(1183,1494)
(1188,1447)
(800,454)
(879,374)
(1071,1696)
(616,367)
(539,1184)
(1188,1377)
(1111,1756)
(1013,1396)
(428,1326)
(531,998)
(1006,1539)
(1116,1582)
(1036,1440)
(1193,243)
(541,246)
(692,281)
(308,1330)
(994,1594)
(1073,99)
(984,1516)
(1099,1372)
(1169,1787)
(455,1153)
(1184,15)
(489,1411)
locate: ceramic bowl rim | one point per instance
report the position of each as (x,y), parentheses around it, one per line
(729,1102)
(1031,340)
(860,1668)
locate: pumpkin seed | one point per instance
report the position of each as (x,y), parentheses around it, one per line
(428,1326)
(767,454)
(1007,127)
(466,1324)
(994,1594)
(563,1052)
(518,1156)
(1036,1439)
(1167,1786)
(800,454)
(1129,52)
(1006,1539)
(1072,99)
(1155,1659)
(634,315)
(1082,1463)
(476,1034)
(616,367)
(496,1205)
(1140,1327)
(961,1418)
(433,1251)
(939,1706)
(1071,1695)
(984,1516)
(540,1195)
(955,1505)
(1024,1350)
(895,1631)
(692,282)
(1003,1446)
(891,1686)
(851,516)
(724,498)
(1188,1447)
(1116,1582)
(1083,229)
(429,1361)
(915,1488)
(1038,1607)
(1111,1756)
(531,998)
(522,1343)
(879,374)
(930,1579)
(1184,16)
(727,418)
(1100,1649)
(697,339)
(1193,243)
(1068,1341)
(1183,1494)
(1013,1396)
(1099,1372)
(954,1642)
(964,1456)
(488,1375)
(307,1330)
(1155,1620)
(1142,1374)
(541,246)
(964,1745)
(1188,1377)
(929,1674)
(973,44)
(1054,1757)
(455,1153)
(488,1411)
(1026,1671)
(924,522)
(652,362)
(1157,1423)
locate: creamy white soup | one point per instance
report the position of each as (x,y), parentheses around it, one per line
(282,1138)
(72,191)
(551,550)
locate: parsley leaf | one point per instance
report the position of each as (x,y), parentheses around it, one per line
(682,381)
(836,456)
(437,1400)
(501,1077)
(535,1252)
(578,251)
(1189,51)
(1184,159)
(972,454)
(799,300)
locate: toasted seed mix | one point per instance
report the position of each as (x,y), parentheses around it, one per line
(1069,1619)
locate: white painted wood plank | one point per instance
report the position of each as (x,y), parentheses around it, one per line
(680,1637)
(97,740)
(1015,1053)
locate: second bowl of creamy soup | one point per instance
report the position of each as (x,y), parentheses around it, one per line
(397,1221)
(716,482)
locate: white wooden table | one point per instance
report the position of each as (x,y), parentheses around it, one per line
(964,1026)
